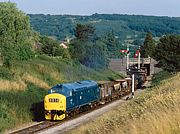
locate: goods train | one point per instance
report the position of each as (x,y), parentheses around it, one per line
(66,100)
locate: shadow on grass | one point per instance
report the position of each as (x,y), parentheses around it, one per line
(111,78)
(37,110)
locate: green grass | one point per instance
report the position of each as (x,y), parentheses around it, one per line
(163,75)
(15,106)
(68,70)
(37,76)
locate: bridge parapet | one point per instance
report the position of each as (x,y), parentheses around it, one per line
(142,60)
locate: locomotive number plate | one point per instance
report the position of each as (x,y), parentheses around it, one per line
(53,100)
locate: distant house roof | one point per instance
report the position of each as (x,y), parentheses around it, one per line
(64,44)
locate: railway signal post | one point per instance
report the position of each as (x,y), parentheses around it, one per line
(132,86)
(127,58)
(139,62)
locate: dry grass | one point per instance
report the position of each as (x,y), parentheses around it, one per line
(34,80)
(12,85)
(56,76)
(156,111)
(52,71)
(7,85)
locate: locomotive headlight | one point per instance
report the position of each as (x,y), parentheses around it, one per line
(52,91)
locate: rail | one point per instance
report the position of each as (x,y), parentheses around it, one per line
(36,128)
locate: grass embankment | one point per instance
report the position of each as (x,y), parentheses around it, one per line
(155,111)
(27,82)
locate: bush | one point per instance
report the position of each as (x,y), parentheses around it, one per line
(6,74)
(25,52)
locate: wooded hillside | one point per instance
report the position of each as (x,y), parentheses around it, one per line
(123,26)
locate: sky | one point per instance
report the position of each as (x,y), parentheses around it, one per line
(88,7)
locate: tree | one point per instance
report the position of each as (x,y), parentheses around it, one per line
(112,44)
(91,54)
(167,53)
(51,47)
(84,32)
(15,33)
(95,55)
(89,51)
(66,54)
(77,50)
(148,47)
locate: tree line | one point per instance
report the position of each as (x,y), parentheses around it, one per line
(20,42)
(62,26)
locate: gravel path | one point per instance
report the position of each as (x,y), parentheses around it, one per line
(85,118)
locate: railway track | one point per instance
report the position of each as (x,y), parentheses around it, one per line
(49,124)
(36,128)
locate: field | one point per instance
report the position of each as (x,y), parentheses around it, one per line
(155,111)
(26,83)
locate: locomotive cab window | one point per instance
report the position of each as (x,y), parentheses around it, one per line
(70,93)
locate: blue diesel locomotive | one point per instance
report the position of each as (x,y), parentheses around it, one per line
(67,99)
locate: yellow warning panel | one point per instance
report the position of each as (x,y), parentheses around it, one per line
(55,106)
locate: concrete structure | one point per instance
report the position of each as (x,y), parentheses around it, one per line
(119,65)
